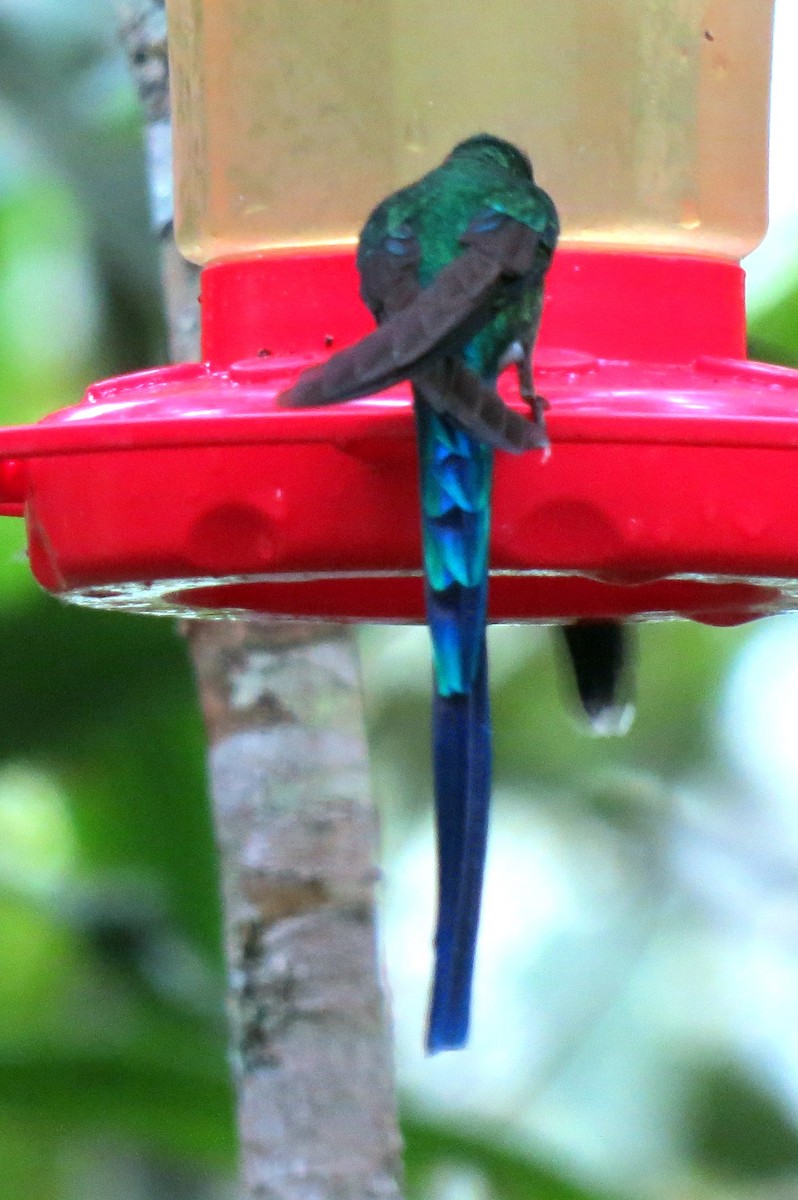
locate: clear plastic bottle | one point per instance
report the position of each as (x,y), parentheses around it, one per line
(645,119)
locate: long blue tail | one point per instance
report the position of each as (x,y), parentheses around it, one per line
(456,476)
(462,765)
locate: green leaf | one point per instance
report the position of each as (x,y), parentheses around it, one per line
(29,1159)
(740,1131)
(432,1146)
(174,1112)
(773,333)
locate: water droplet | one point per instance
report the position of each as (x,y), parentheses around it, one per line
(689,218)
(416,134)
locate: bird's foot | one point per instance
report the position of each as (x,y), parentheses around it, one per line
(538,437)
(539,404)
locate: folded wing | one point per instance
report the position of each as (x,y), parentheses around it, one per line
(420,326)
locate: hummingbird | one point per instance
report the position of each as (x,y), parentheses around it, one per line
(600,660)
(452,268)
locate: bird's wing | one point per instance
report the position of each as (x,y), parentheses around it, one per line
(420,324)
(450,387)
(389,273)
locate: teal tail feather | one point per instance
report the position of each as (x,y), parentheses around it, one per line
(456,476)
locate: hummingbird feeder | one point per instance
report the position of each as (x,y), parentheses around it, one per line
(669,489)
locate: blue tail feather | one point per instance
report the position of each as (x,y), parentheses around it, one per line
(456,474)
(462,766)
(457,625)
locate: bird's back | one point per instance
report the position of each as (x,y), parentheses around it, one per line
(439,208)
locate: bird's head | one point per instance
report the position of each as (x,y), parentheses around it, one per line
(486,148)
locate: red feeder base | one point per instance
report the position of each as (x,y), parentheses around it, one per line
(670,489)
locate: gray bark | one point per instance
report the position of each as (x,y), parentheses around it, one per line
(297,835)
(296,829)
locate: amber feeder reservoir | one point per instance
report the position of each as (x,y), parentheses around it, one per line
(670,486)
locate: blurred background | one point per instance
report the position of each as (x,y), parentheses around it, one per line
(635,1029)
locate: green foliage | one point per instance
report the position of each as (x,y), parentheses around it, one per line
(773,335)
(496,1170)
(742,1132)
(111,1019)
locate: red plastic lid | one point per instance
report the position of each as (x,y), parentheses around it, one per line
(669,489)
